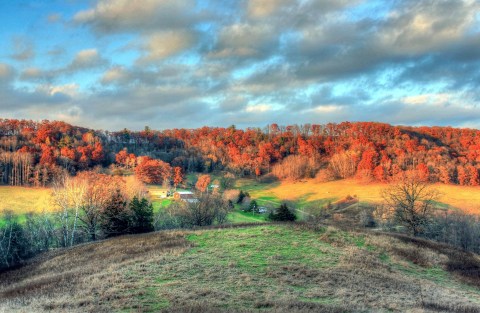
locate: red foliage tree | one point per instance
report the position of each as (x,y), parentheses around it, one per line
(462,175)
(177,176)
(48,155)
(202,183)
(97,153)
(121,157)
(473,175)
(423,172)
(380,174)
(152,171)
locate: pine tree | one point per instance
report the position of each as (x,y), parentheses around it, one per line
(116,219)
(142,215)
(282,214)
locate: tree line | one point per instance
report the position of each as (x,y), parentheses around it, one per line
(35,153)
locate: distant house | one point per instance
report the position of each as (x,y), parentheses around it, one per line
(186,196)
(262,209)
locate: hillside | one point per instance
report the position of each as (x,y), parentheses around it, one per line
(35,153)
(281,268)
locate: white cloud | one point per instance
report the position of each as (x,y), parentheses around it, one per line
(327,108)
(438,99)
(86,59)
(114,75)
(110,16)
(164,44)
(244,41)
(255,108)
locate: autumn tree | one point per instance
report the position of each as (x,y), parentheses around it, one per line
(423,172)
(152,171)
(178,176)
(412,202)
(462,175)
(344,164)
(98,194)
(474,179)
(202,183)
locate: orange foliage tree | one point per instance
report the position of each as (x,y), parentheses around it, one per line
(152,171)
(202,183)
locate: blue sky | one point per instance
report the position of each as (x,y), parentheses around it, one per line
(181,63)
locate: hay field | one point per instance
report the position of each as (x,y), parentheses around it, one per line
(22,200)
(309,191)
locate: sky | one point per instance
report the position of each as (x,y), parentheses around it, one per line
(114,64)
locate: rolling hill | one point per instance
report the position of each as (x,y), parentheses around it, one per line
(275,267)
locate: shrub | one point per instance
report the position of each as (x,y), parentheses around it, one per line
(253,206)
(324,175)
(231,195)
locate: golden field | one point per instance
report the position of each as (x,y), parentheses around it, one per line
(24,199)
(303,192)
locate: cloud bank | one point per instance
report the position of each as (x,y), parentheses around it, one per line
(166,63)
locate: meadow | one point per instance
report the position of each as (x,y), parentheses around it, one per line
(307,193)
(280,268)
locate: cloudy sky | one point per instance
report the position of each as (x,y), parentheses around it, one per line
(110,64)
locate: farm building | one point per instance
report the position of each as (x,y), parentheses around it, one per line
(186,196)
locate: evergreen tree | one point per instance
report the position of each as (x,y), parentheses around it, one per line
(116,218)
(282,214)
(142,215)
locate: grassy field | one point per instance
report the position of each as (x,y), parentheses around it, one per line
(310,193)
(276,268)
(23,200)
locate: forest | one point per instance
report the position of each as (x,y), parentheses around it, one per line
(34,153)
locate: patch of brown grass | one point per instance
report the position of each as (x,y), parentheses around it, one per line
(86,278)
(465,265)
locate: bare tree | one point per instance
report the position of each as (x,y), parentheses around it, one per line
(412,202)
(68,195)
(204,211)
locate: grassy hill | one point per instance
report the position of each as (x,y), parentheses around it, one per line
(311,193)
(281,268)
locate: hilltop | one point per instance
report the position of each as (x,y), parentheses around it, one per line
(275,267)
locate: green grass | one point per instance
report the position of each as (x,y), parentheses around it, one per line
(241,268)
(161,204)
(233,268)
(239,216)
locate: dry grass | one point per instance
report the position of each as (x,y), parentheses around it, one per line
(461,197)
(24,199)
(277,268)
(87,278)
